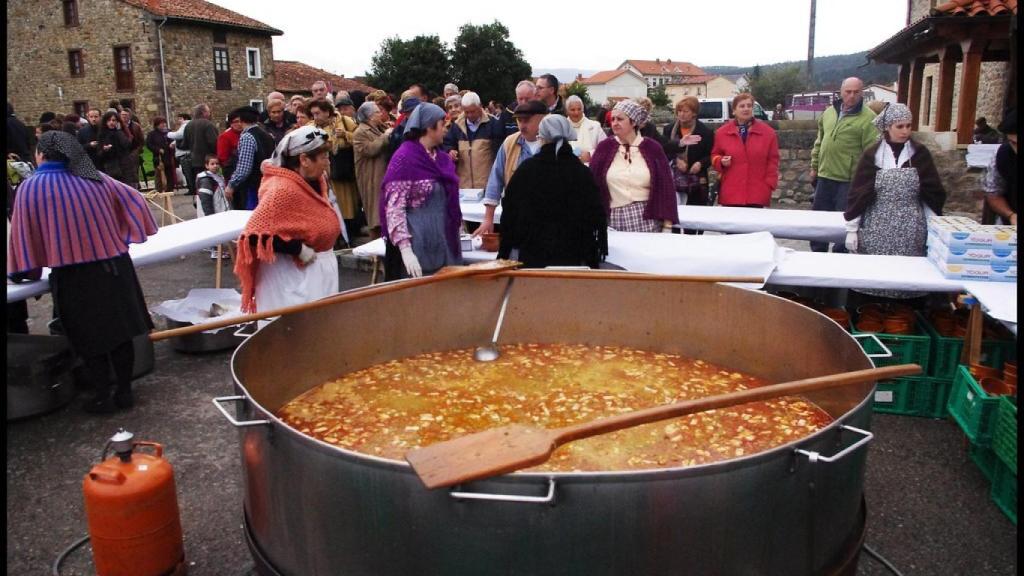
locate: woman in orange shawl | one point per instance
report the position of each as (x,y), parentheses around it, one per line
(295,220)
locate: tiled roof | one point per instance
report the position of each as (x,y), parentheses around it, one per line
(200,11)
(604,77)
(665,67)
(975,8)
(700,79)
(296,77)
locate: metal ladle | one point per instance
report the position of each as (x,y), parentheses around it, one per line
(490,352)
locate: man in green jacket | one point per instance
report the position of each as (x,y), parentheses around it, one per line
(845,130)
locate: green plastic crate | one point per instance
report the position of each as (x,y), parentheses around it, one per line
(972,408)
(1004,491)
(986,460)
(946,352)
(906,349)
(1004,434)
(913,396)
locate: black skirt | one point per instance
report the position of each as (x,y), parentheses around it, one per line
(99,304)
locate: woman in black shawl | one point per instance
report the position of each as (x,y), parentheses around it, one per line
(113,146)
(552,210)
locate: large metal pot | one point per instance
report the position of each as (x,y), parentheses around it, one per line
(312,508)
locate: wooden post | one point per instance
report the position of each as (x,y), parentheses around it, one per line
(967,105)
(948,58)
(903,83)
(216,277)
(916,77)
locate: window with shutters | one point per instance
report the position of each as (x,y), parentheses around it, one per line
(221,68)
(81,107)
(123,76)
(220,37)
(75,64)
(71,13)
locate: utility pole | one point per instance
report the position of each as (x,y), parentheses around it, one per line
(810,47)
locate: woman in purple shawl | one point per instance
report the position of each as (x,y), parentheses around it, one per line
(420,205)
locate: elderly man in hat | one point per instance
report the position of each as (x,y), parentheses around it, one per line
(515,150)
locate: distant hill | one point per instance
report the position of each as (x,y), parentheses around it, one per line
(829,71)
(564,75)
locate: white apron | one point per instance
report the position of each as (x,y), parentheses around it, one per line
(284,283)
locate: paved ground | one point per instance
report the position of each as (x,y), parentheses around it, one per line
(929,510)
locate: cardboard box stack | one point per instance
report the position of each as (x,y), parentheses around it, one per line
(963,249)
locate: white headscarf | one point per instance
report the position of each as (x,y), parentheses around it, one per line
(556,128)
(299,141)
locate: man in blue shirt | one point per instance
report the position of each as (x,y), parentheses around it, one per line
(515,150)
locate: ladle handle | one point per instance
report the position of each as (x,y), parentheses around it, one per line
(605,425)
(501,312)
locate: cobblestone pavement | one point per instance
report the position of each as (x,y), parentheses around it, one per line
(929,510)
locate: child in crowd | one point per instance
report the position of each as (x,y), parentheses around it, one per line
(210,197)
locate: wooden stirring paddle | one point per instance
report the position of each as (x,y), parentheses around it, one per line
(510,448)
(446,273)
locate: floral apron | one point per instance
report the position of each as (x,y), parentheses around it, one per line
(895,224)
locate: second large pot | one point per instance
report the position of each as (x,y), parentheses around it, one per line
(312,508)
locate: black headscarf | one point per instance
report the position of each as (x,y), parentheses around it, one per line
(61,146)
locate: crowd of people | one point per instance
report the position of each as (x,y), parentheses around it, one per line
(320,171)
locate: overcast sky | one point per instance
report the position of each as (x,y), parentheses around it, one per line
(341,36)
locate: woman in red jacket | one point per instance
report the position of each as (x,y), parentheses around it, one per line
(746,154)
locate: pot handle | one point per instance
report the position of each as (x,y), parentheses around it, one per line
(549,498)
(886,353)
(217,402)
(816,457)
(241,331)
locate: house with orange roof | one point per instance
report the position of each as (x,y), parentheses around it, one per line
(660,72)
(614,84)
(158,57)
(292,78)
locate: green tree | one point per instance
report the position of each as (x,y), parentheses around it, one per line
(485,61)
(399,63)
(579,89)
(775,84)
(658,97)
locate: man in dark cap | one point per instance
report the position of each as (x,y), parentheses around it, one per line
(1001,176)
(254,146)
(408,105)
(515,150)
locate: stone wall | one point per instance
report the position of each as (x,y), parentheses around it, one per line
(38,75)
(188,56)
(37,61)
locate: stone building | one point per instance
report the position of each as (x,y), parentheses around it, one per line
(945,47)
(158,57)
(292,78)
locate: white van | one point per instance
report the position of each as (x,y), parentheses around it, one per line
(719,110)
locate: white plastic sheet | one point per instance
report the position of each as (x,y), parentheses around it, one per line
(195,307)
(734,255)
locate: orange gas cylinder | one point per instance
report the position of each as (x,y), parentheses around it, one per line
(132,509)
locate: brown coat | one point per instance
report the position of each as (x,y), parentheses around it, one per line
(371,152)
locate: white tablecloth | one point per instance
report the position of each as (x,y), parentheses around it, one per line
(892,272)
(793,224)
(168,243)
(736,255)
